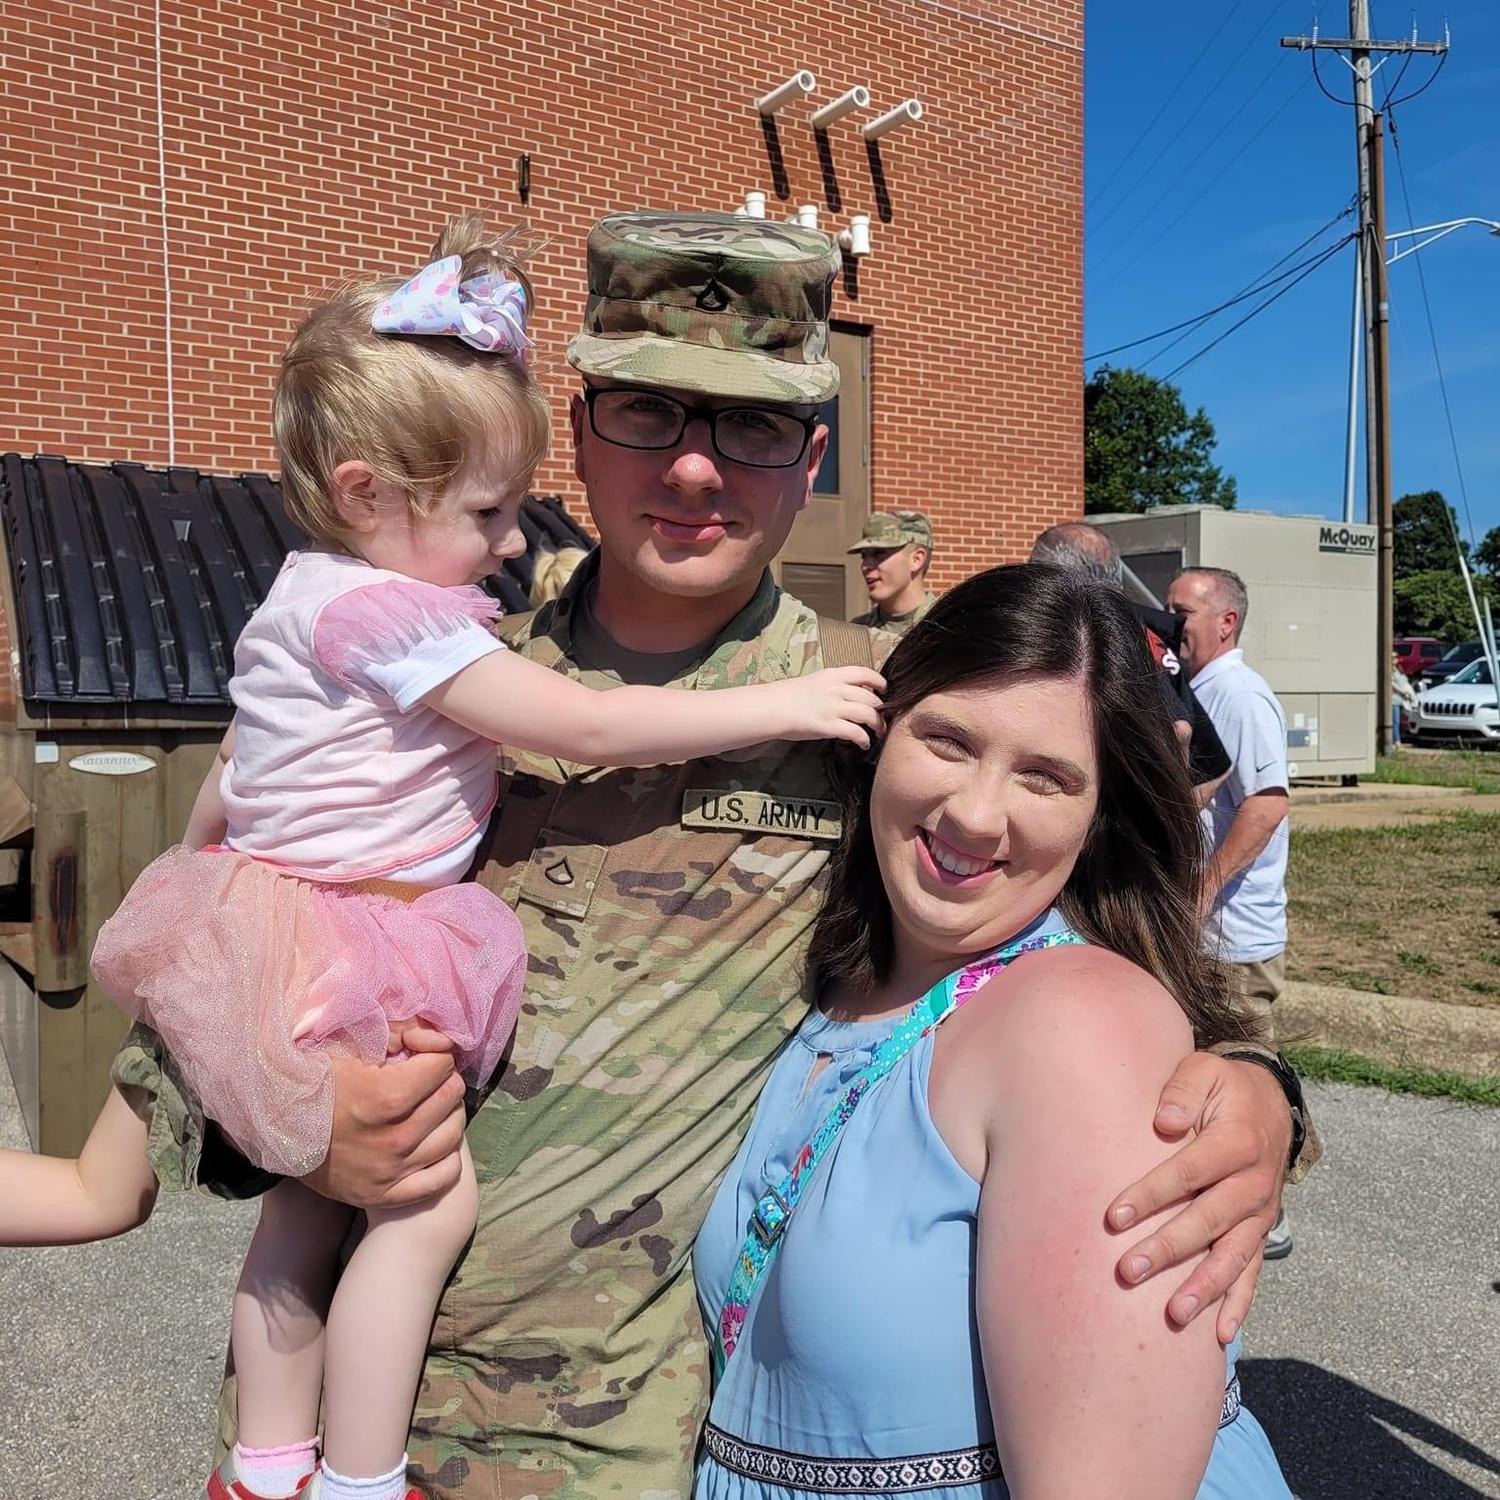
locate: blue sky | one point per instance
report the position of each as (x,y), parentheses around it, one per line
(1249,159)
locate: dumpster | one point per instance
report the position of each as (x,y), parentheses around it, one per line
(122,592)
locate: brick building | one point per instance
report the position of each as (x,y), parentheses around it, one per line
(185,177)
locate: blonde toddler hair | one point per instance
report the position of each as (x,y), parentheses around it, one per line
(552,572)
(416,408)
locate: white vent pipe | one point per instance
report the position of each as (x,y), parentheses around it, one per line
(909,111)
(798,86)
(856,238)
(856,98)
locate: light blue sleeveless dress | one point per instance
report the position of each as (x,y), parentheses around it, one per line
(861,1343)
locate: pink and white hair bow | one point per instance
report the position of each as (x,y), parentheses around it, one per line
(486,311)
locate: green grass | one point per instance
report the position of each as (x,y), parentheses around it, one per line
(1418,963)
(1479,770)
(1410,910)
(1330,1065)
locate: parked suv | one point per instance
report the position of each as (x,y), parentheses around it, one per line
(1456,659)
(1414,652)
(1462,710)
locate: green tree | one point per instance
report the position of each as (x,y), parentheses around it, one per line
(1487,553)
(1436,603)
(1142,448)
(1424,528)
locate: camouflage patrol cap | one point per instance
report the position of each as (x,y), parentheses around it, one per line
(714,303)
(899,528)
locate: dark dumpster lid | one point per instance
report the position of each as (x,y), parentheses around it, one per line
(131,584)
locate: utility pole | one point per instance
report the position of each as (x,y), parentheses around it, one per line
(1380,485)
(1361,50)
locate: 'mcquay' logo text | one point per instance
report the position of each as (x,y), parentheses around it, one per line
(1346,539)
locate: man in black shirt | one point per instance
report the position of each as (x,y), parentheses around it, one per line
(1086,549)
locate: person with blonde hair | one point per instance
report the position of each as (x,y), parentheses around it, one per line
(554,567)
(317,907)
(667,912)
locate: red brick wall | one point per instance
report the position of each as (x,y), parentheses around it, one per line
(306,141)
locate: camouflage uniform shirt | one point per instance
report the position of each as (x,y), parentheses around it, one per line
(897,625)
(667,912)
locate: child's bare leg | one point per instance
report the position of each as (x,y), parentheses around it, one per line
(279,1310)
(379,1325)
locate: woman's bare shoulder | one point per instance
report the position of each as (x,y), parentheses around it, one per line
(1084,1003)
(1063,1039)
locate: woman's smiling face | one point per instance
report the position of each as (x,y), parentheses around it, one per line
(982,802)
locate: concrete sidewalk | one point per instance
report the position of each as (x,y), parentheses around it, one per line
(1382,805)
(1393,1029)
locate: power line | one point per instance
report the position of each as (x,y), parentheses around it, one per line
(1392,97)
(1255,312)
(1345,103)
(1208,187)
(1130,150)
(1390,103)
(1204,317)
(1263,287)
(1385,103)
(1213,141)
(1369,135)
(1260,284)
(1437,360)
(1213,90)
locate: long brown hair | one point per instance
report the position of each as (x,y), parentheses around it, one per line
(1134,887)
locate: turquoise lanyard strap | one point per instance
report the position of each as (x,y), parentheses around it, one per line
(773,1211)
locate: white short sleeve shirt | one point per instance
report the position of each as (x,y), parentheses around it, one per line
(1249,923)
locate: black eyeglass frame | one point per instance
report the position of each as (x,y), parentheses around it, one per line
(710,414)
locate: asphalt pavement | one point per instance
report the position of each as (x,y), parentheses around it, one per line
(1371,1355)
(1372,1351)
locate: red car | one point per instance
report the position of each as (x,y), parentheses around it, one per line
(1415,652)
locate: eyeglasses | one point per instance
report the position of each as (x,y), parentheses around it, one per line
(762,437)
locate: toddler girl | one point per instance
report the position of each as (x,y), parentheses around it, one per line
(316,904)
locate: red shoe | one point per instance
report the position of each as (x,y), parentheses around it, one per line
(225,1484)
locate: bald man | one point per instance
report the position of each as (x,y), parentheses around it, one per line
(1086,549)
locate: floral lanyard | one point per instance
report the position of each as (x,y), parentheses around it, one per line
(773,1211)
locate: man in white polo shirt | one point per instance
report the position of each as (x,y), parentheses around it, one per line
(1244,886)
(1244,893)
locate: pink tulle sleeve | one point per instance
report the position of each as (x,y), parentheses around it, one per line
(398,636)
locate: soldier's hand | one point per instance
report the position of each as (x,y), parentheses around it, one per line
(838,703)
(1184,739)
(397,1126)
(1230,1173)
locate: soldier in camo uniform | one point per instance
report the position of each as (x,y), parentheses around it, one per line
(895,552)
(667,912)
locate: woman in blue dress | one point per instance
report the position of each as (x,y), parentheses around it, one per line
(907,1273)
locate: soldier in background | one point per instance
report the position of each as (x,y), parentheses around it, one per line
(895,551)
(667,911)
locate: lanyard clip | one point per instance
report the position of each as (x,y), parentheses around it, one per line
(770,1218)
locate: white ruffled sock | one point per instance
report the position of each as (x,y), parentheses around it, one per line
(390,1486)
(276,1473)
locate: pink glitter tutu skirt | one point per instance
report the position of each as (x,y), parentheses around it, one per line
(255,980)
